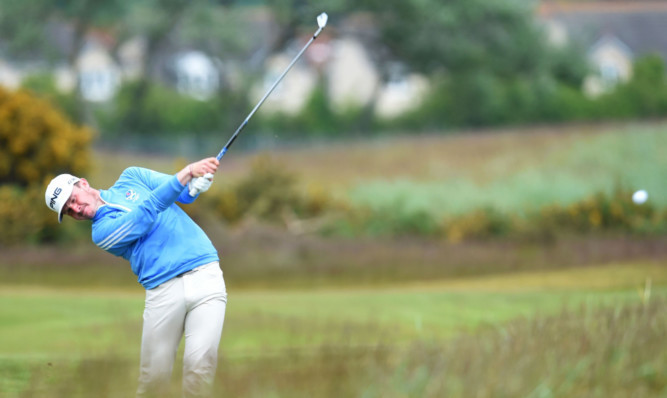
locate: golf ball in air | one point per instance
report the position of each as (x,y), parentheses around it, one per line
(640,196)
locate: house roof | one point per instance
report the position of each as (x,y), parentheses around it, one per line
(638,24)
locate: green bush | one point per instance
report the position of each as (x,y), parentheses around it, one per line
(270,193)
(645,95)
(44,86)
(481,98)
(160,110)
(568,104)
(317,118)
(389,221)
(479,224)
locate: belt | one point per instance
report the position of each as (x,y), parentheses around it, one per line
(192,271)
(195,269)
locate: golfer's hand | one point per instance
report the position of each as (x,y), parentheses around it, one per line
(203,167)
(200,184)
(198,169)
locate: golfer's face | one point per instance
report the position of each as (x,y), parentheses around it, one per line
(80,205)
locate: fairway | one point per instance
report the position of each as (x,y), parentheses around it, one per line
(75,323)
(62,330)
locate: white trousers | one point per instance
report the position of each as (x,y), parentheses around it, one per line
(193,305)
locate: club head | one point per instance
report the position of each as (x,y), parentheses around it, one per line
(322,20)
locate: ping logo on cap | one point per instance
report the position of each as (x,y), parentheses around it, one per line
(52,203)
(58,193)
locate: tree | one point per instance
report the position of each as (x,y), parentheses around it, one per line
(454,36)
(23,39)
(27,22)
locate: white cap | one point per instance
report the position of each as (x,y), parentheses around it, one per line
(58,192)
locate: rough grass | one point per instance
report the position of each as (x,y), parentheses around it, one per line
(590,351)
(270,258)
(397,338)
(82,322)
(517,172)
(615,349)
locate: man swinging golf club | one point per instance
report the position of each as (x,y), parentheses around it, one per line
(138,219)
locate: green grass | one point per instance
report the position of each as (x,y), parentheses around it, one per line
(503,162)
(38,320)
(570,167)
(590,351)
(50,337)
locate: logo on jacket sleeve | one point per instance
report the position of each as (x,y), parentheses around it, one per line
(131,195)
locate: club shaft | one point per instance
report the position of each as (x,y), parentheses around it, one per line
(245,122)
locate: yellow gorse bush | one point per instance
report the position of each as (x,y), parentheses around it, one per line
(613,211)
(37,142)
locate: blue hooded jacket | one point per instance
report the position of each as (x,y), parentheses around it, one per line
(141,222)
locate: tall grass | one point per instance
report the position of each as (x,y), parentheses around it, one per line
(272,259)
(591,351)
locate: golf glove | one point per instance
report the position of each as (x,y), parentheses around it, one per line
(200,184)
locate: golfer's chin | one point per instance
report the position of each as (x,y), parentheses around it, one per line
(87,214)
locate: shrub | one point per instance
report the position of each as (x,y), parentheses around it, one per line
(20,218)
(390,221)
(36,143)
(160,110)
(603,212)
(600,213)
(44,86)
(269,192)
(483,223)
(318,118)
(25,219)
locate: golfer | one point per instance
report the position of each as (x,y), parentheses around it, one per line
(138,219)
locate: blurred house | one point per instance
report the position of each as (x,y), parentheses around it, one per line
(195,74)
(92,69)
(11,74)
(131,56)
(342,61)
(292,93)
(98,73)
(613,33)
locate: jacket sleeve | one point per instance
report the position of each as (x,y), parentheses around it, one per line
(154,179)
(116,233)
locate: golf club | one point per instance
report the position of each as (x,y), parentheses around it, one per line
(321,23)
